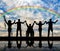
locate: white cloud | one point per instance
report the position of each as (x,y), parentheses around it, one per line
(28,15)
(1,11)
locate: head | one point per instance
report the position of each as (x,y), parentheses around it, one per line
(50,19)
(18,20)
(9,21)
(29,24)
(40,22)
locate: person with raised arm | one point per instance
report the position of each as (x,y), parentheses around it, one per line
(9,23)
(30,32)
(50,26)
(19,29)
(40,31)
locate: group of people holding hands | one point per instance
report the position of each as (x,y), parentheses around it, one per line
(29,30)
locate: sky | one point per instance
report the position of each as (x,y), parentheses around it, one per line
(36,10)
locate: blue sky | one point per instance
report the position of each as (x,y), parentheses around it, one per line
(31,14)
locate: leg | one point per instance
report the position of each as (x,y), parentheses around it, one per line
(17,33)
(9,32)
(52,32)
(40,34)
(48,32)
(20,33)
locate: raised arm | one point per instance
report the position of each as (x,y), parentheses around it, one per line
(5,19)
(26,24)
(55,21)
(33,24)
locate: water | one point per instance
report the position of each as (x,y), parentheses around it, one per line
(56,46)
(44,43)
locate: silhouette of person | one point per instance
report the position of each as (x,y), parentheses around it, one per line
(9,30)
(30,32)
(9,23)
(40,31)
(50,27)
(19,29)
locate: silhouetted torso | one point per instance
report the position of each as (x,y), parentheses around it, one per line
(9,26)
(50,24)
(40,26)
(30,28)
(18,25)
(30,32)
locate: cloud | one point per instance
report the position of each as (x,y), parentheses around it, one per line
(29,14)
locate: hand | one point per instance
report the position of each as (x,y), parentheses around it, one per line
(45,21)
(56,20)
(25,21)
(14,21)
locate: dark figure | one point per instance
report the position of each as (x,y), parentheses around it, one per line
(40,31)
(9,26)
(50,27)
(30,32)
(9,30)
(19,29)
